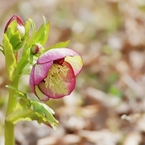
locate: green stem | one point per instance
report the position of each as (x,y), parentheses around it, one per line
(9,127)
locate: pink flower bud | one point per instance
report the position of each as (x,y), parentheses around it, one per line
(20,23)
(37,49)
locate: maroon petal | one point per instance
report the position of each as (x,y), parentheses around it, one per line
(14,17)
(54,54)
(69,82)
(40,72)
(31,81)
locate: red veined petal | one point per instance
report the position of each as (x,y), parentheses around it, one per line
(31,81)
(76,63)
(55,54)
(40,72)
(68,82)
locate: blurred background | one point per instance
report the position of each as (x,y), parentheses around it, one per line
(107,106)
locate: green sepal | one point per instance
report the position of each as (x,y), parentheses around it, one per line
(33,25)
(15,40)
(9,57)
(27,27)
(22,62)
(11,29)
(14,36)
(58,45)
(29,42)
(41,35)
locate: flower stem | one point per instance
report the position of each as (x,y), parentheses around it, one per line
(9,127)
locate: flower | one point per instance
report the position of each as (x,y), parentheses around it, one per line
(54,74)
(20,24)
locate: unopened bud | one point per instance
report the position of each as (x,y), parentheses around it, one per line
(37,48)
(20,23)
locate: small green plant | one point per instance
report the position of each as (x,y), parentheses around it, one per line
(52,71)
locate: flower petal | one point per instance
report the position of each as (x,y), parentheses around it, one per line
(54,54)
(68,84)
(76,63)
(38,74)
(41,71)
(31,81)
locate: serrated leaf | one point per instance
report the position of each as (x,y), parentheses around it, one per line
(19,114)
(44,110)
(39,112)
(9,57)
(25,103)
(21,95)
(58,45)
(42,34)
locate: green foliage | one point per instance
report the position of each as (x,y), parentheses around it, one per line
(27,27)
(26,109)
(9,57)
(45,112)
(42,34)
(15,37)
(30,110)
(39,37)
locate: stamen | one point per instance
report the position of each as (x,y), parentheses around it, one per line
(55,79)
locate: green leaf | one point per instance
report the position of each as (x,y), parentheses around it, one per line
(19,114)
(27,27)
(47,112)
(14,36)
(15,40)
(42,34)
(11,87)
(31,110)
(30,39)
(9,57)
(24,101)
(23,62)
(33,25)
(39,36)
(38,111)
(58,45)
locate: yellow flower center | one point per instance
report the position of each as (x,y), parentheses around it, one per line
(55,79)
